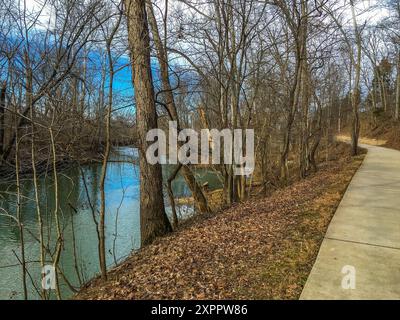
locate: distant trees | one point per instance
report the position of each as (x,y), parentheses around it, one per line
(219,39)
(295,71)
(50,106)
(269,60)
(380,71)
(391,25)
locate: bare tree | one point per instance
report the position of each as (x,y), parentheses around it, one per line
(109,40)
(195,188)
(153,219)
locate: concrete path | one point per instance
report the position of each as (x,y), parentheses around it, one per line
(360,255)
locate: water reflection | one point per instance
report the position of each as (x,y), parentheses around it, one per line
(79,203)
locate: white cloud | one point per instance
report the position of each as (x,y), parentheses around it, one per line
(369,11)
(35,7)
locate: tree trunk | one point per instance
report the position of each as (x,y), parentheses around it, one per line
(153,219)
(19,218)
(175,220)
(197,192)
(101,226)
(2,111)
(355,97)
(305,92)
(382,92)
(397,108)
(317,136)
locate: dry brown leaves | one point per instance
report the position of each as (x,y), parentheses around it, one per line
(261,249)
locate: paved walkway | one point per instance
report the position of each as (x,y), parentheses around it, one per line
(365,234)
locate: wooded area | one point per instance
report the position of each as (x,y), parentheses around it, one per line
(81,77)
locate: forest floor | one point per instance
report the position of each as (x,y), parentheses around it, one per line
(263,248)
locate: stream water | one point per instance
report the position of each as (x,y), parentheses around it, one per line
(79,197)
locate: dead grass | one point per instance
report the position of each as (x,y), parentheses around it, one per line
(364,140)
(385,132)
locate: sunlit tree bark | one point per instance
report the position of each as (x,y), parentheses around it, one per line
(153,219)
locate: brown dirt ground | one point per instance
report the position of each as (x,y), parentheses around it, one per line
(263,248)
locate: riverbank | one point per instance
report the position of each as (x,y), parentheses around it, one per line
(44,162)
(263,248)
(77,142)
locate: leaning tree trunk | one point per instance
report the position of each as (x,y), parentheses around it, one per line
(195,188)
(153,219)
(293,101)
